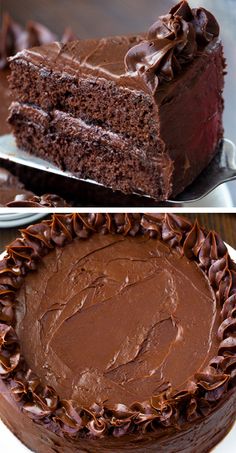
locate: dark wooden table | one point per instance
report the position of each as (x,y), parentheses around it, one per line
(96,18)
(225,224)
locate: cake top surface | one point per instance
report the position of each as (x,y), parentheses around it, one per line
(142,62)
(96,57)
(142,337)
(124,329)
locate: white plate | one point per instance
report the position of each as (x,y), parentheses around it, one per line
(6,217)
(18,219)
(10,443)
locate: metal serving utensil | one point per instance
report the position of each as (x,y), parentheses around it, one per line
(222,169)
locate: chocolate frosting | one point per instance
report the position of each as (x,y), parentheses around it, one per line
(168,407)
(172,42)
(13,38)
(103,289)
(43,201)
(14,195)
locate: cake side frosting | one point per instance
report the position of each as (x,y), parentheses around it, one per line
(167,409)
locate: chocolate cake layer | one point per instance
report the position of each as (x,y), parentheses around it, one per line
(134,113)
(134,335)
(115,161)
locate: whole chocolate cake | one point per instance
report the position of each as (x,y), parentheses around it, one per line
(141,114)
(117,334)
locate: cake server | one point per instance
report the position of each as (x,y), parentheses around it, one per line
(222,169)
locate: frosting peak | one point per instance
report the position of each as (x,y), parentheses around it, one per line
(172,41)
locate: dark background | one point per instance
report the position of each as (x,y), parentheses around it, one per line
(96,18)
(224,224)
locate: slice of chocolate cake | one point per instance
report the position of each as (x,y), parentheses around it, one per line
(139,114)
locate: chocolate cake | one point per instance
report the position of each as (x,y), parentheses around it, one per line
(13,194)
(141,114)
(44,201)
(117,334)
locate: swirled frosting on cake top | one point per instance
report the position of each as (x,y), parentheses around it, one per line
(173,41)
